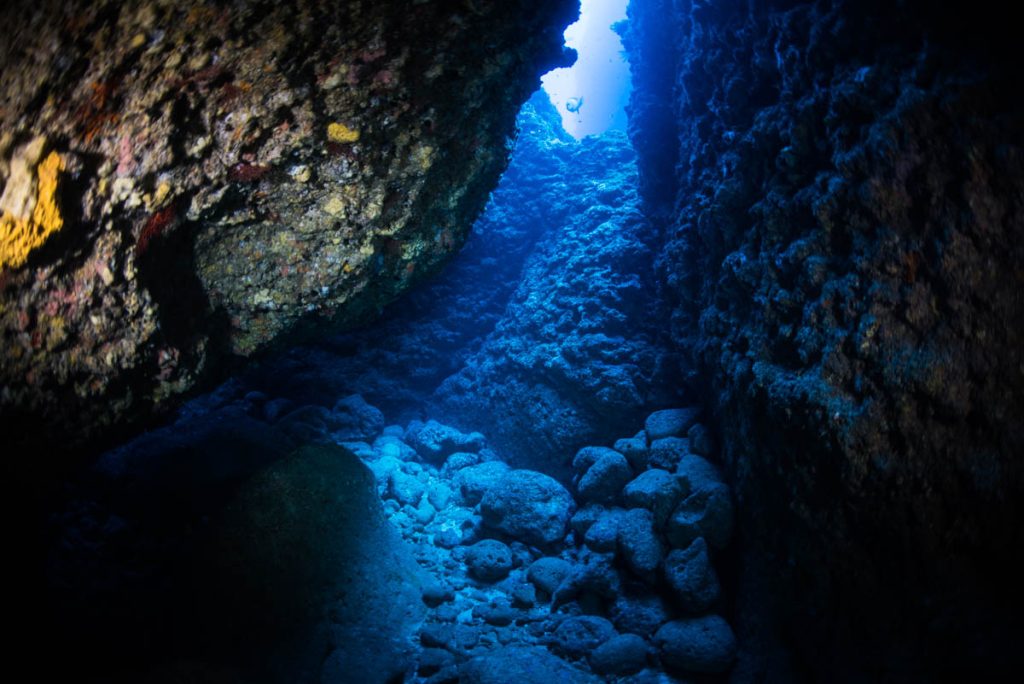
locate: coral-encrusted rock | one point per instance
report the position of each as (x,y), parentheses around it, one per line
(528,506)
(577,355)
(225,176)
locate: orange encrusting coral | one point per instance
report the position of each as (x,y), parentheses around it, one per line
(19,236)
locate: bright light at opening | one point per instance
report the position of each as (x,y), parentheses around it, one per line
(597,86)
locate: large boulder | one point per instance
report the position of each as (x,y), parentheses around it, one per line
(528,506)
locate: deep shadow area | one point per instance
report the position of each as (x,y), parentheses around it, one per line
(220,559)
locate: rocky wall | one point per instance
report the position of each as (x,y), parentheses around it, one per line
(579,351)
(187,184)
(845,240)
(547,330)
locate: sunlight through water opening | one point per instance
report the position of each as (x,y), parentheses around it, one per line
(591,95)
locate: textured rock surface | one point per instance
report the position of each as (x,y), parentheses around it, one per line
(201,547)
(547,330)
(522,664)
(225,175)
(192,551)
(579,351)
(845,244)
(528,506)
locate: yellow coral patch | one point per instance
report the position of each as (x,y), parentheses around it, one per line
(340,133)
(335,206)
(19,236)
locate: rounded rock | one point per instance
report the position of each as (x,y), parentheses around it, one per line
(656,490)
(472,482)
(668,452)
(639,543)
(603,535)
(577,636)
(705,644)
(548,573)
(670,422)
(489,560)
(623,654)
(528,506)
(635,450)
(604,479)
(692,579)
(588,456)
(706,513)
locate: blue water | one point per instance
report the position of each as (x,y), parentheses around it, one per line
(599,81)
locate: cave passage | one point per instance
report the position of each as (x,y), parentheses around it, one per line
(512,341)
(498,475)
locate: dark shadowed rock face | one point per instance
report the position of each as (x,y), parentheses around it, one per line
(846,240)
(221,552)
(187,182)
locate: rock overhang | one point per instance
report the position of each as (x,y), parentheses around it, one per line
(231,178)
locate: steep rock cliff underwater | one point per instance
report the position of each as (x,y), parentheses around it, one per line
(218,178)
(843,217)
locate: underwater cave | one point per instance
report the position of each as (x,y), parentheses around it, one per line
(512,341)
